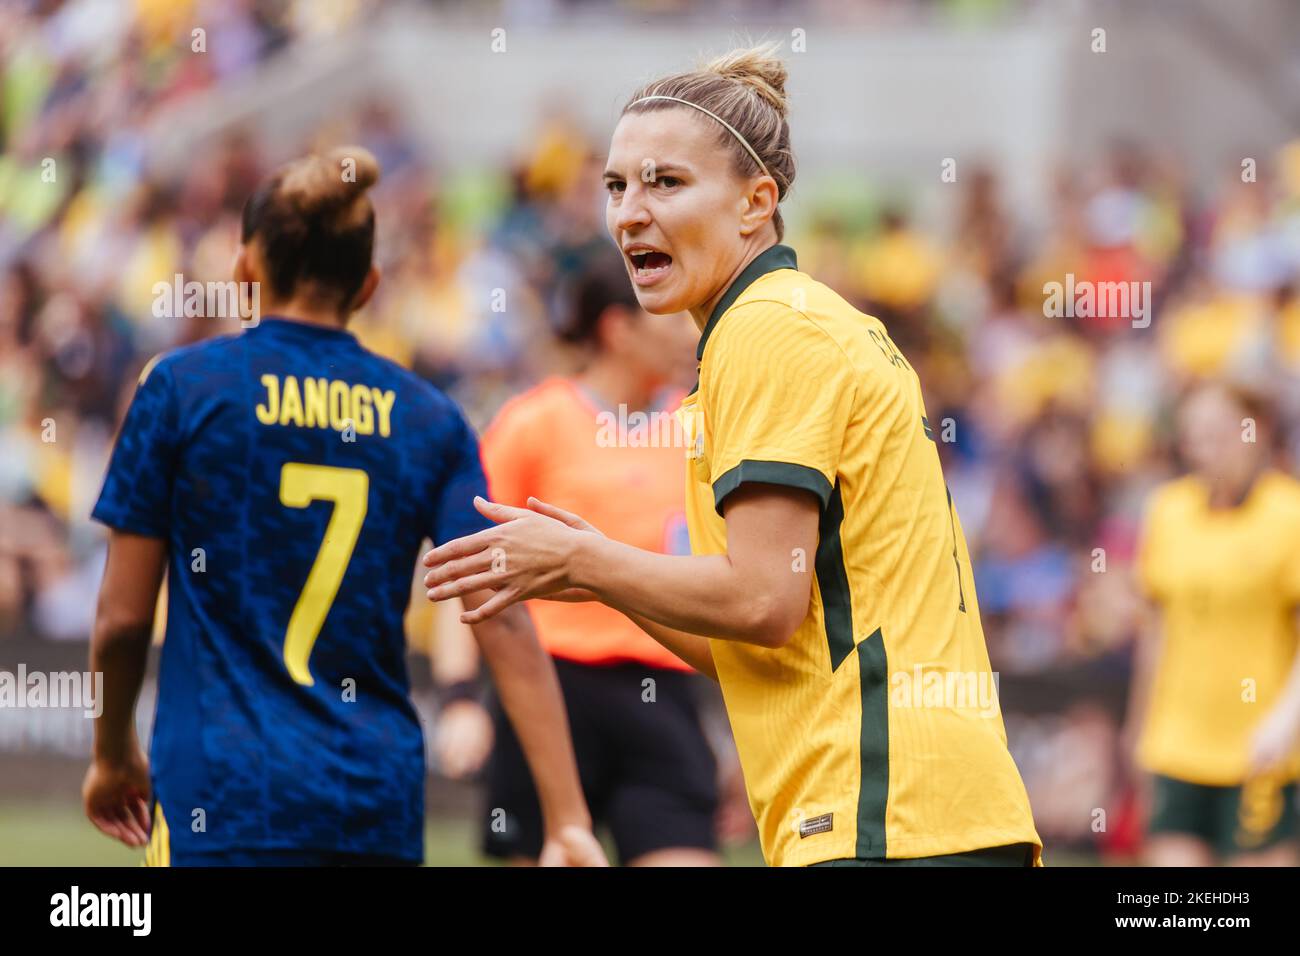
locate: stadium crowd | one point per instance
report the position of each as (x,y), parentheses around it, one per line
(1053,429)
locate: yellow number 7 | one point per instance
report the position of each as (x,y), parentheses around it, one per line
(349,489)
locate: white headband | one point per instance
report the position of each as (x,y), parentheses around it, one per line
(730,129)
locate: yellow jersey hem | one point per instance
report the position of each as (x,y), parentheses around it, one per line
(908,849)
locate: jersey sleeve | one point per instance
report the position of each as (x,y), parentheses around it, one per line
(779,399)
(509,457)
(136,496)
(454,514)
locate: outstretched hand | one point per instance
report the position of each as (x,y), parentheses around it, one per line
(529,554)
(569,595)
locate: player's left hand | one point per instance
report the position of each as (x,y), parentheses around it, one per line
(526,556)
(572,846)
(463,739)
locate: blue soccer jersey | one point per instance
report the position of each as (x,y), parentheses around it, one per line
(293,475)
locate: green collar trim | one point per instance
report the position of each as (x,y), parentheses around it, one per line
(770,260)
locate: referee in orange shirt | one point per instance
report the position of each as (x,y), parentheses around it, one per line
(591,443)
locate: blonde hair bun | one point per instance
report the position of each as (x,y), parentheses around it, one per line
(759,68)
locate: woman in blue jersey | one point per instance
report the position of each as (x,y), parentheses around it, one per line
(269,475)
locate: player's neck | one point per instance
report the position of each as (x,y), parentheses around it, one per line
(306,312)
(1226,494)
(755,245)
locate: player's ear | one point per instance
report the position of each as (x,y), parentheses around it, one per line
(367,289)
(241,269)
(249,265)
(759,207)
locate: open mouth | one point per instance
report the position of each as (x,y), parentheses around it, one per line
(649,263)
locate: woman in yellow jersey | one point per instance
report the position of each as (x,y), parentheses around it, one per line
(829,590)
(1214,712)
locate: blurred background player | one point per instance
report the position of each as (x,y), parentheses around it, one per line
(283,479)
(1211,711)
(646,765)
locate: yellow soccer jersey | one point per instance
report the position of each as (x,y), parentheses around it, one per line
(1227,583)
(876,732)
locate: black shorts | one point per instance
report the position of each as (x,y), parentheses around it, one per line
(1013,854)
(647,770)
(1258,815)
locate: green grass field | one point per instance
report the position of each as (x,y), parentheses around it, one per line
(56,834)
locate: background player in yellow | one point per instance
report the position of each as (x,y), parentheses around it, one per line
(1213,711)
(829,570)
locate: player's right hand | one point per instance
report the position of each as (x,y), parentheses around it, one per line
(568,595)
(572,846)
(463,739)
(115,794)
(1275,741)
